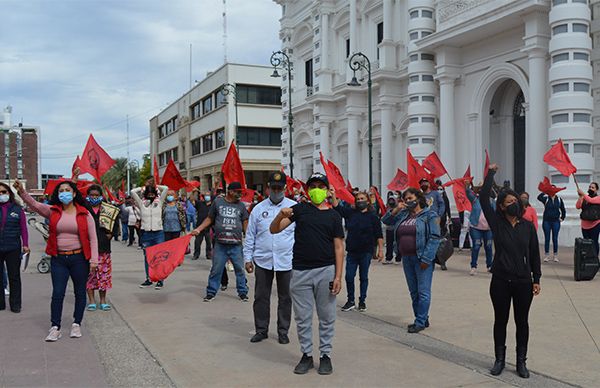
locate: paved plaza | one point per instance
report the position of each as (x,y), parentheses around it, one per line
(172,338)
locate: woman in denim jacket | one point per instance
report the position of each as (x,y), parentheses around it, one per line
(417,237)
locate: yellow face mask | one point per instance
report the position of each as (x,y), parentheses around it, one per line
(317,195)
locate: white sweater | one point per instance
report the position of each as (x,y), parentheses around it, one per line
(134,215)
(151,212)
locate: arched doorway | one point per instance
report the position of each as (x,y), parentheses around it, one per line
(506,134)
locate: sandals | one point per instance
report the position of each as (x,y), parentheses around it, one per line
(105,307)
(91,307)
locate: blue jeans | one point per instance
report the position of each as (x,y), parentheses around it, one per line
(61,268)
(191,222)
(148,239)
(479,238)
(222,253)
(355,261)
(419,285)
(551,227)
(125,231)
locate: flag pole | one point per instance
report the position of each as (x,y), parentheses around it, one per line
(575,180)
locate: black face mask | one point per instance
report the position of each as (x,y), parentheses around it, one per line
(591,193)
(512,209)
(411,205)
(362,205)
(391,203)
(424,188)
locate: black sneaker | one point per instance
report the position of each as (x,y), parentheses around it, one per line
(348,306)
(362,306)
(284,339)
(195,257)
(224,287)
(209,298)
(415,329)
(413,325)
(305,364)
(259,337)
(244,297)
(147,283)
(386,262)
(159,285)
(325,367)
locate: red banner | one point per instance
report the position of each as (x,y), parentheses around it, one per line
(165,257)
(415,171)
(172,178)
(94,160)
(548,188)
(335,178)
(558,158)
(232,167)
(434,165)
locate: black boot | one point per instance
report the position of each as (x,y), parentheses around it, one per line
(521,367)
(500,361)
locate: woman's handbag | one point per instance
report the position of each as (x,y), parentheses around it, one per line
(445,251)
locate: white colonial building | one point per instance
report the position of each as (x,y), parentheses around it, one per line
(454,76)
(196,130)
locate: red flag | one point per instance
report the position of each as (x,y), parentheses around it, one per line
(468,173)
(155,172)
(247,195)
(192,185)
(232,167)
(75,166)
(399,182)
(415,171)
(434,165)
(84,185)
(172,178)
(336,180)
(95,160)
(110,195)
(548,188)
(165,257)
(382,208)
(460,195)
(51,185)
(558,158)
(349,186)
(487,164)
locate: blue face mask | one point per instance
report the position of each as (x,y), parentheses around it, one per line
(94,201)
(66,197)
(207,198)
(170,198)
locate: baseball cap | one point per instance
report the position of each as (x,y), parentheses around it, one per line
(317,176)
(277,179)
(234,186)
(423,180)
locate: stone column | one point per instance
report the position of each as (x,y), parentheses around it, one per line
(353,147)
(387,49)
(324,41)
(387,144)
(324,139)
(447,124)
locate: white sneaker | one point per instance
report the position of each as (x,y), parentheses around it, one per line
(6,291)
(54,334)
(556,258)
(75,331)
(546,258)
(229,266)
(473,271)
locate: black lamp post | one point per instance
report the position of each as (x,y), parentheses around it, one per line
(227,89)
(281,59)
(361,61)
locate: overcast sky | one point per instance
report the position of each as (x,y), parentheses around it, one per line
(78,66)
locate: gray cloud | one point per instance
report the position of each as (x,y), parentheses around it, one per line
(75,67)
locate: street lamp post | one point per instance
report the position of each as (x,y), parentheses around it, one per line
(130,164)
(361,61)
(281,59)
(227,89)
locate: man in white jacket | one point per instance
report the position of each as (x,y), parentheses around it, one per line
(270,256)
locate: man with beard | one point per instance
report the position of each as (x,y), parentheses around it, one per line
(270,256)
(230,219)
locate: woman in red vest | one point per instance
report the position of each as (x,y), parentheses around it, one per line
(73,245)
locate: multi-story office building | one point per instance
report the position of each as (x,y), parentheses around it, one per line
(196,130)
(19,151)
(457,77)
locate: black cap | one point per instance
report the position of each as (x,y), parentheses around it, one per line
(277,179)
(317,176)
(424,179)
(234,186)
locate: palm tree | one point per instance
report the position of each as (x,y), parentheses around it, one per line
(118,173)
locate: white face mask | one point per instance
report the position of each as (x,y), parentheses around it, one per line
(4,198)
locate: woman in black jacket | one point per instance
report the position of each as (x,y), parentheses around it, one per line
(516,270)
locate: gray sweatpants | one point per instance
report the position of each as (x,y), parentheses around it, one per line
(309,288)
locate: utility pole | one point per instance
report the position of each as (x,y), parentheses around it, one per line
(128,172)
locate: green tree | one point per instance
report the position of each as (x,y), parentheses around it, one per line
(118,174)
(145,172)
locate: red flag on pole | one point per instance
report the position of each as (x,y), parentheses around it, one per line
(382,208)
(172,178)
(192,185)
(468,174)
(232,167)
(487,164)
(558,158)
(415,171)
(349,186)
(155,172)
(336,180)
(165,257)
(121,192)
(460,196)
(548,188)
(434,165)
(95,160)
(110,195)
(75,166)
(51,185)
(399,182)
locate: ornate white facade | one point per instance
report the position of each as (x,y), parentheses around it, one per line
(455,76)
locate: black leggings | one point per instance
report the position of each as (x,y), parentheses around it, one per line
(501,292)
